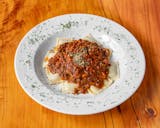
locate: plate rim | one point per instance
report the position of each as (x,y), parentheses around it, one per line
(77,113)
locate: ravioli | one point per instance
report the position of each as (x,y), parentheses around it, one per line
(68,87)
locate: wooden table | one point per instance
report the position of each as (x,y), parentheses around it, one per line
(141,17)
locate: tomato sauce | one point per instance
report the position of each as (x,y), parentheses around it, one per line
(81,62)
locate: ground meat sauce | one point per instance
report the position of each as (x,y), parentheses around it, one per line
(82,62)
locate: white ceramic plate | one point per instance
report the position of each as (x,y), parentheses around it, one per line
(40,39)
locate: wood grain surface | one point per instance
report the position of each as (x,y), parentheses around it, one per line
(141,17)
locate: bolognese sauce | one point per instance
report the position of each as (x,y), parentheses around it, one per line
(81,62)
